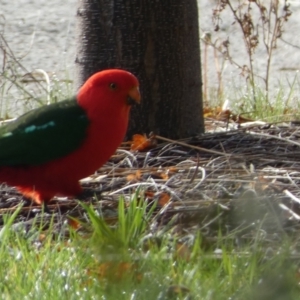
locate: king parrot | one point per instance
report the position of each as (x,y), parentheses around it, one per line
(45,152)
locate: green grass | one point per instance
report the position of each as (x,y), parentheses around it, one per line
(130,260)
(282,104)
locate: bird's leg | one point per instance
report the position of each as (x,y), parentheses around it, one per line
(45,208)
(28,201)
(90,193)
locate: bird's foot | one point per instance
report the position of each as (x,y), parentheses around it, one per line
(90,193)
(46,209)
(44,206)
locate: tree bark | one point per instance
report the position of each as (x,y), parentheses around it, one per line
(158,41)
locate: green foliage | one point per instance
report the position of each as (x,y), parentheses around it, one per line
(132,224)
(126,260)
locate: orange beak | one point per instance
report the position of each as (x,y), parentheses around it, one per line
(135,94)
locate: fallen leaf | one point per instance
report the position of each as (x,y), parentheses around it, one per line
(163,199)
(134,177)
(116,271)
(73,223)
(142,143)
(182,251)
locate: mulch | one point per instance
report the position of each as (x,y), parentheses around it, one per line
(241,179)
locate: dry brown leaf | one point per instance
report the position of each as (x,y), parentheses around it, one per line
(182,251)
(221,114)
(134,177)
(142,143)
(163,199)
(149,194)
(73,223)
(42,237)
(116,271)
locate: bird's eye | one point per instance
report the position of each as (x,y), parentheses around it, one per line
(113,86)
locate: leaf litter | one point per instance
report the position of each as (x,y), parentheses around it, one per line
(234,178)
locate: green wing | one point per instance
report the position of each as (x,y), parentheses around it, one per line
(43,134)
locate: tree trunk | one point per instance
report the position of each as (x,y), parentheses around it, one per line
(158,41)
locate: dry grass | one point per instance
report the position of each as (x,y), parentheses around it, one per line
(251,186)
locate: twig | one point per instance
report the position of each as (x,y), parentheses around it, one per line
(158,137)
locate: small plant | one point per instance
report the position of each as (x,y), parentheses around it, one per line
(132,223)
(21,89)
(261,23)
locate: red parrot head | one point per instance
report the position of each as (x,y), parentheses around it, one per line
(121,87)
